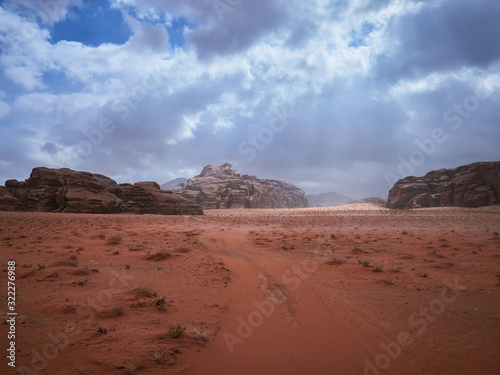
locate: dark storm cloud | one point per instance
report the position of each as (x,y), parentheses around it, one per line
(238,28)
(458,33)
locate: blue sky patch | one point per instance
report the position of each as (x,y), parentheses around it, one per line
(92,24)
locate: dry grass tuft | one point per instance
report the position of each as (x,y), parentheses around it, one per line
(176,331)
(115,240)
(113,312)
(199,334)
(144,291)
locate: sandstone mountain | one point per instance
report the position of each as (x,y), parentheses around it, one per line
(224,187)
(65,190)
(472,185)
(327,199)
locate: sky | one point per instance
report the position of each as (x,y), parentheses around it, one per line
(333,95)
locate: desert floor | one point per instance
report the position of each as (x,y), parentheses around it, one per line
(354,289)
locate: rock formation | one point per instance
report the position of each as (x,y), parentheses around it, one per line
(65,190)
(8,202)
(224,187)
(472,185)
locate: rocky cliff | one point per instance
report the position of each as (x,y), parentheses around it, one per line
(224,187)
(472,185)
(65,190)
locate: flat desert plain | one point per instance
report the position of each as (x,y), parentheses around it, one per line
(356,289)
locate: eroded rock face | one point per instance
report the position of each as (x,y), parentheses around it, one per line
(147,198)
(8,202)
(65,190)
(224,187)
(472,185)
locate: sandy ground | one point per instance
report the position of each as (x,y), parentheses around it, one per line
(355,289)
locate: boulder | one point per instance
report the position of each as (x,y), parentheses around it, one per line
(65,190)
(224,187)
(472,185)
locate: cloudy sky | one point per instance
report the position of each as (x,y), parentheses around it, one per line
(333,95)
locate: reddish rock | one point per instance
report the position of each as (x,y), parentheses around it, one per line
(65,190)
(147,198)
(8,202)
(224,187)
(472,185)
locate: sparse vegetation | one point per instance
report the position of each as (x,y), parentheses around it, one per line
(183,250)
(377,269)
(144,291)
(113,312)
(82,271)
(158,356)
(131,370)
(115,240)
(335,261)
(364,263)
(176,331)
(161,304)
(161,255)
(199,334)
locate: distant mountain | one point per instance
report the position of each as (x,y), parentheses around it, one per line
(374,200)
(224,187)
(171,184)
(327,199)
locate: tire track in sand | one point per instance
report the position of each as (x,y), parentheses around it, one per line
(278,322)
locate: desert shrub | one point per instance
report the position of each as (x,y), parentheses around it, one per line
(113,312)
(161,255)
(176,331)
(364,263)
(158,356)
(144,291)
(82,271)
(115,240)
(335,261)
(199,334)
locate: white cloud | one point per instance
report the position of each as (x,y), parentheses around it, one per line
(346,70)
(48,12)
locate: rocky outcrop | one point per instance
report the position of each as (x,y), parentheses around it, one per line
(8,202)
(147,198)
(472,185)
(224,187)
(65,190)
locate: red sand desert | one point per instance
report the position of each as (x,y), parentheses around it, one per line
(355,289)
